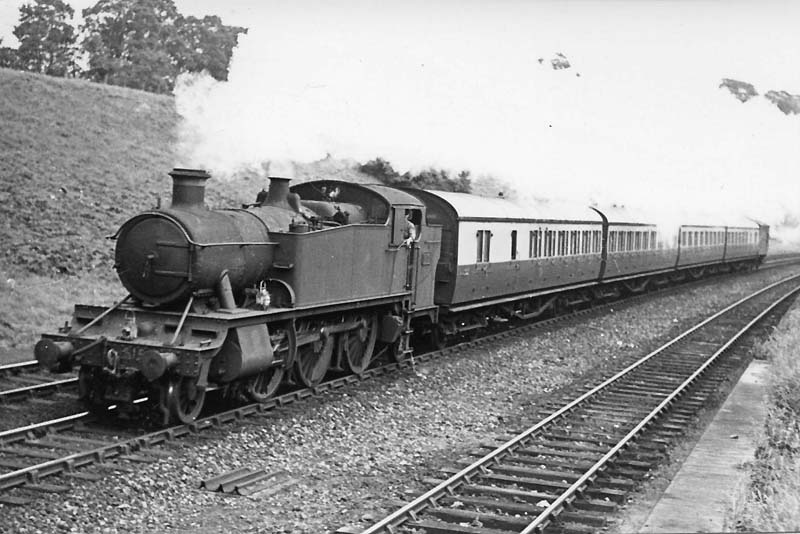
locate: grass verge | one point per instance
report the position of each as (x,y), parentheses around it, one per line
(33,304)
(768,499)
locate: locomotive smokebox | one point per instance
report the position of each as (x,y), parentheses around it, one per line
(164,256)
(189,187)
(278,191)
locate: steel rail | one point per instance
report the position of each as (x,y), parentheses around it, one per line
(8,393)
(8,436)
(448,486)
(541,521)
(18,366)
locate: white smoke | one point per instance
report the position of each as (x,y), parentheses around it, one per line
(637,119)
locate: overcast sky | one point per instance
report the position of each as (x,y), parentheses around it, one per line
(639,117)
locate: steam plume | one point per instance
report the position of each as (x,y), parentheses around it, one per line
(637,118)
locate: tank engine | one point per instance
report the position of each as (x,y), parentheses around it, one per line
(292,286)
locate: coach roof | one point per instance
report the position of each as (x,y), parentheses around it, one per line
(473,207)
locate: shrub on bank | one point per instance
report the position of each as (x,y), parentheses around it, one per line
(769,498)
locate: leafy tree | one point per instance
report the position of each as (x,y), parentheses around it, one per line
(381,169)
(145,44)
(46,38)
(206,45)
(8,57)
(128,43)
(428,179)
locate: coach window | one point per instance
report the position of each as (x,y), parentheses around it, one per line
(484,238)
(546,243)
(513,244)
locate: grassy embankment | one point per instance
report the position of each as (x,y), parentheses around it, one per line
(769,497)
(76,160)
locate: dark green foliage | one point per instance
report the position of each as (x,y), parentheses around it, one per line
(128,43)
(8,57)
(431,178)
(145,44)
(47,40)
(206,45)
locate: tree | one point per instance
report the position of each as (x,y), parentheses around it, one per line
(8,57)
(206,45)
(145,44)
(127,42)
(428,179)
(46,38)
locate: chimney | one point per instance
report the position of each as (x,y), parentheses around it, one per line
(278,191)
(188,187)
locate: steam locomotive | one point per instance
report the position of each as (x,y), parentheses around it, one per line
(328,275)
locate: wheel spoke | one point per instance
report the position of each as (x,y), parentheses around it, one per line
(359,344)
(313,359)
(184,398)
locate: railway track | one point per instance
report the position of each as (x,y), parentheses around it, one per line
(68,445)
(23,380)
(573,467)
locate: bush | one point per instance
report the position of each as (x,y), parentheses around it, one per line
(438,179)
(769,499)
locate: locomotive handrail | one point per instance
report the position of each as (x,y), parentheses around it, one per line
(192,241)
(108,310)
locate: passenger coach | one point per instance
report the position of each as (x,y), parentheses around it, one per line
(499,260)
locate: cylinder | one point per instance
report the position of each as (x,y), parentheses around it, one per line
(154,364)
(53,355)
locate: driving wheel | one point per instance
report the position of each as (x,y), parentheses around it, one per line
(184,399)
(284,349)
(313,358)
(358,345)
